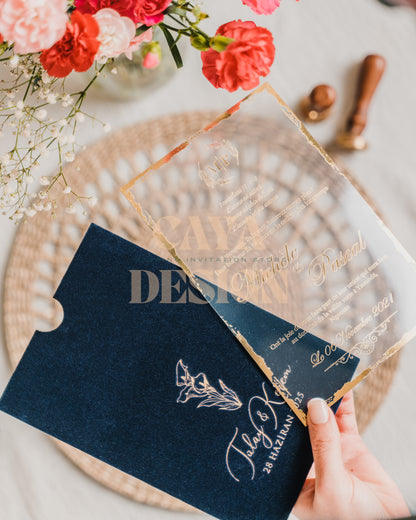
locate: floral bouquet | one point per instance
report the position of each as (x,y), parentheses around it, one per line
(43,41)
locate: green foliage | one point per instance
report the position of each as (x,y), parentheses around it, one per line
(220,43)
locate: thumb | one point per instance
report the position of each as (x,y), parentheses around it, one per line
(326,448)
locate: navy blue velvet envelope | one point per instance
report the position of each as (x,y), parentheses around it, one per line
(160,389)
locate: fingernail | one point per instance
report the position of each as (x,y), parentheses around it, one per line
(318,412)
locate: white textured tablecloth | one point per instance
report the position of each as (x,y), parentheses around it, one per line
(317,41)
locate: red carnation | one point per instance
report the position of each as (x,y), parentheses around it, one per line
(244,60)
(77,48)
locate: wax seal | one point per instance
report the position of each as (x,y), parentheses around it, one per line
(372,70)
(318,105)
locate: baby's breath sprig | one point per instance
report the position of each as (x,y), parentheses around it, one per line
(29,120)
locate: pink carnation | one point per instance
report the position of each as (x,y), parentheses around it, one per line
(33,25)
(262,6)
(116,33)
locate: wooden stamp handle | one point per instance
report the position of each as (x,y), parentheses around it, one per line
(372,70)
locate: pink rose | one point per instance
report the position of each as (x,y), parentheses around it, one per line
(116,33)
(262,6)
(151,60)
(150,12)
(152,54)
(33,25)
(243,61)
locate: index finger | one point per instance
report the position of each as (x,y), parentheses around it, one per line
(345,416)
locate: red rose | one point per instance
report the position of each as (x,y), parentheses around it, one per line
(92,6)
(243,61)
(77,48)
(123,7)
(148,12)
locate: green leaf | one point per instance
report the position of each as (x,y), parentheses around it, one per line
(140,30)
(37,78)
(219,43)
(176,10)
(199,14)
(173,47)
(3,48)
(200,42)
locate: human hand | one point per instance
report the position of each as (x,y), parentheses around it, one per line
(346,481)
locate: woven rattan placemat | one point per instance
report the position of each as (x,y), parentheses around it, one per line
(44,246)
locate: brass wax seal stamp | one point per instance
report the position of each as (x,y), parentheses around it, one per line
(371,71)
(318,105)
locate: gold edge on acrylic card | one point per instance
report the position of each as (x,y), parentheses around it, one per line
(267,371)
(288,112)
(259,360)
(148,220)
(339,394)
(224,115)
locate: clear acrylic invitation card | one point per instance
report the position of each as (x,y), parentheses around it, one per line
(261,219)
